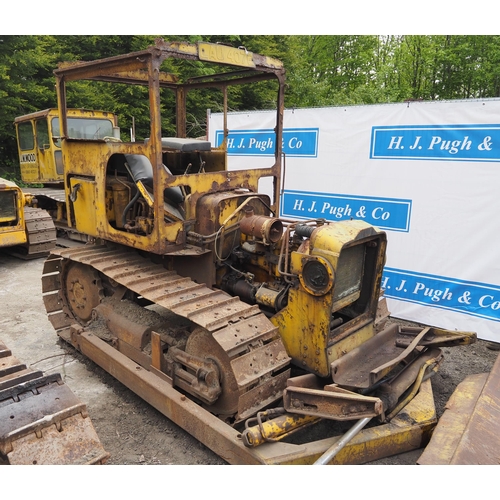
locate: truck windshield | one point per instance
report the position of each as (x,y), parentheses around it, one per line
(83,128)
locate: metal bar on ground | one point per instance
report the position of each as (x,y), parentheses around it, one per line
(342,442)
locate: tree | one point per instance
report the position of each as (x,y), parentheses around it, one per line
(25,67)
(322,70)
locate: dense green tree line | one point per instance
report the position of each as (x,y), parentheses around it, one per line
(322,70)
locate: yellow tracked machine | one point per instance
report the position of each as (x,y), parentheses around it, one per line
(241,327)
(26,231)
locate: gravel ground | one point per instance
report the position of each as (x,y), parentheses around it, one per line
(130,430)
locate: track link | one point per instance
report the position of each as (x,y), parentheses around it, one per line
(40,230)
(250,344)
(41,419)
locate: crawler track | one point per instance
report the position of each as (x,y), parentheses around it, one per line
(41,234)
(41,231)
(243,340)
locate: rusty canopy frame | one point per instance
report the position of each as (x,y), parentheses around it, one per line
(144,68)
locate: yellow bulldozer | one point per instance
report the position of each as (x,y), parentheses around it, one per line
(26,231)
(242,327)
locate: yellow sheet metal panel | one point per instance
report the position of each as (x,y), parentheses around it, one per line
(225,55)
(349,343)
(12,230)
(84,204)
(12,238)
(306,340)
(10,204)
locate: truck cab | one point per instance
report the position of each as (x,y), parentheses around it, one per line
(39,140)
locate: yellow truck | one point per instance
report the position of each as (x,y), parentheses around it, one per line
(40,155)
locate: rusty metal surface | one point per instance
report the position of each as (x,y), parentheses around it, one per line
(211,309)
(234,341)
(127,331)
(74,443)
(468,432)
(83,290)
(408,431)
(41,419)
(436,337)
(129,68)
(305,395)
(250,372)
(364,366)
(47,401)
(369,363)
(400,388)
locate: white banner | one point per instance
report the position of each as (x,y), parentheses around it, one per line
(425,172)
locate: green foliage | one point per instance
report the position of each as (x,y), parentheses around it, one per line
(322,70)
(25,64)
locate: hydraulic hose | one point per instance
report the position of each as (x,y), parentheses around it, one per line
(129,206)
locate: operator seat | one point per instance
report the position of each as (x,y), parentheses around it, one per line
(142,170)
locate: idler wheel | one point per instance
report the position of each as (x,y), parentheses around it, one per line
(81,291)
